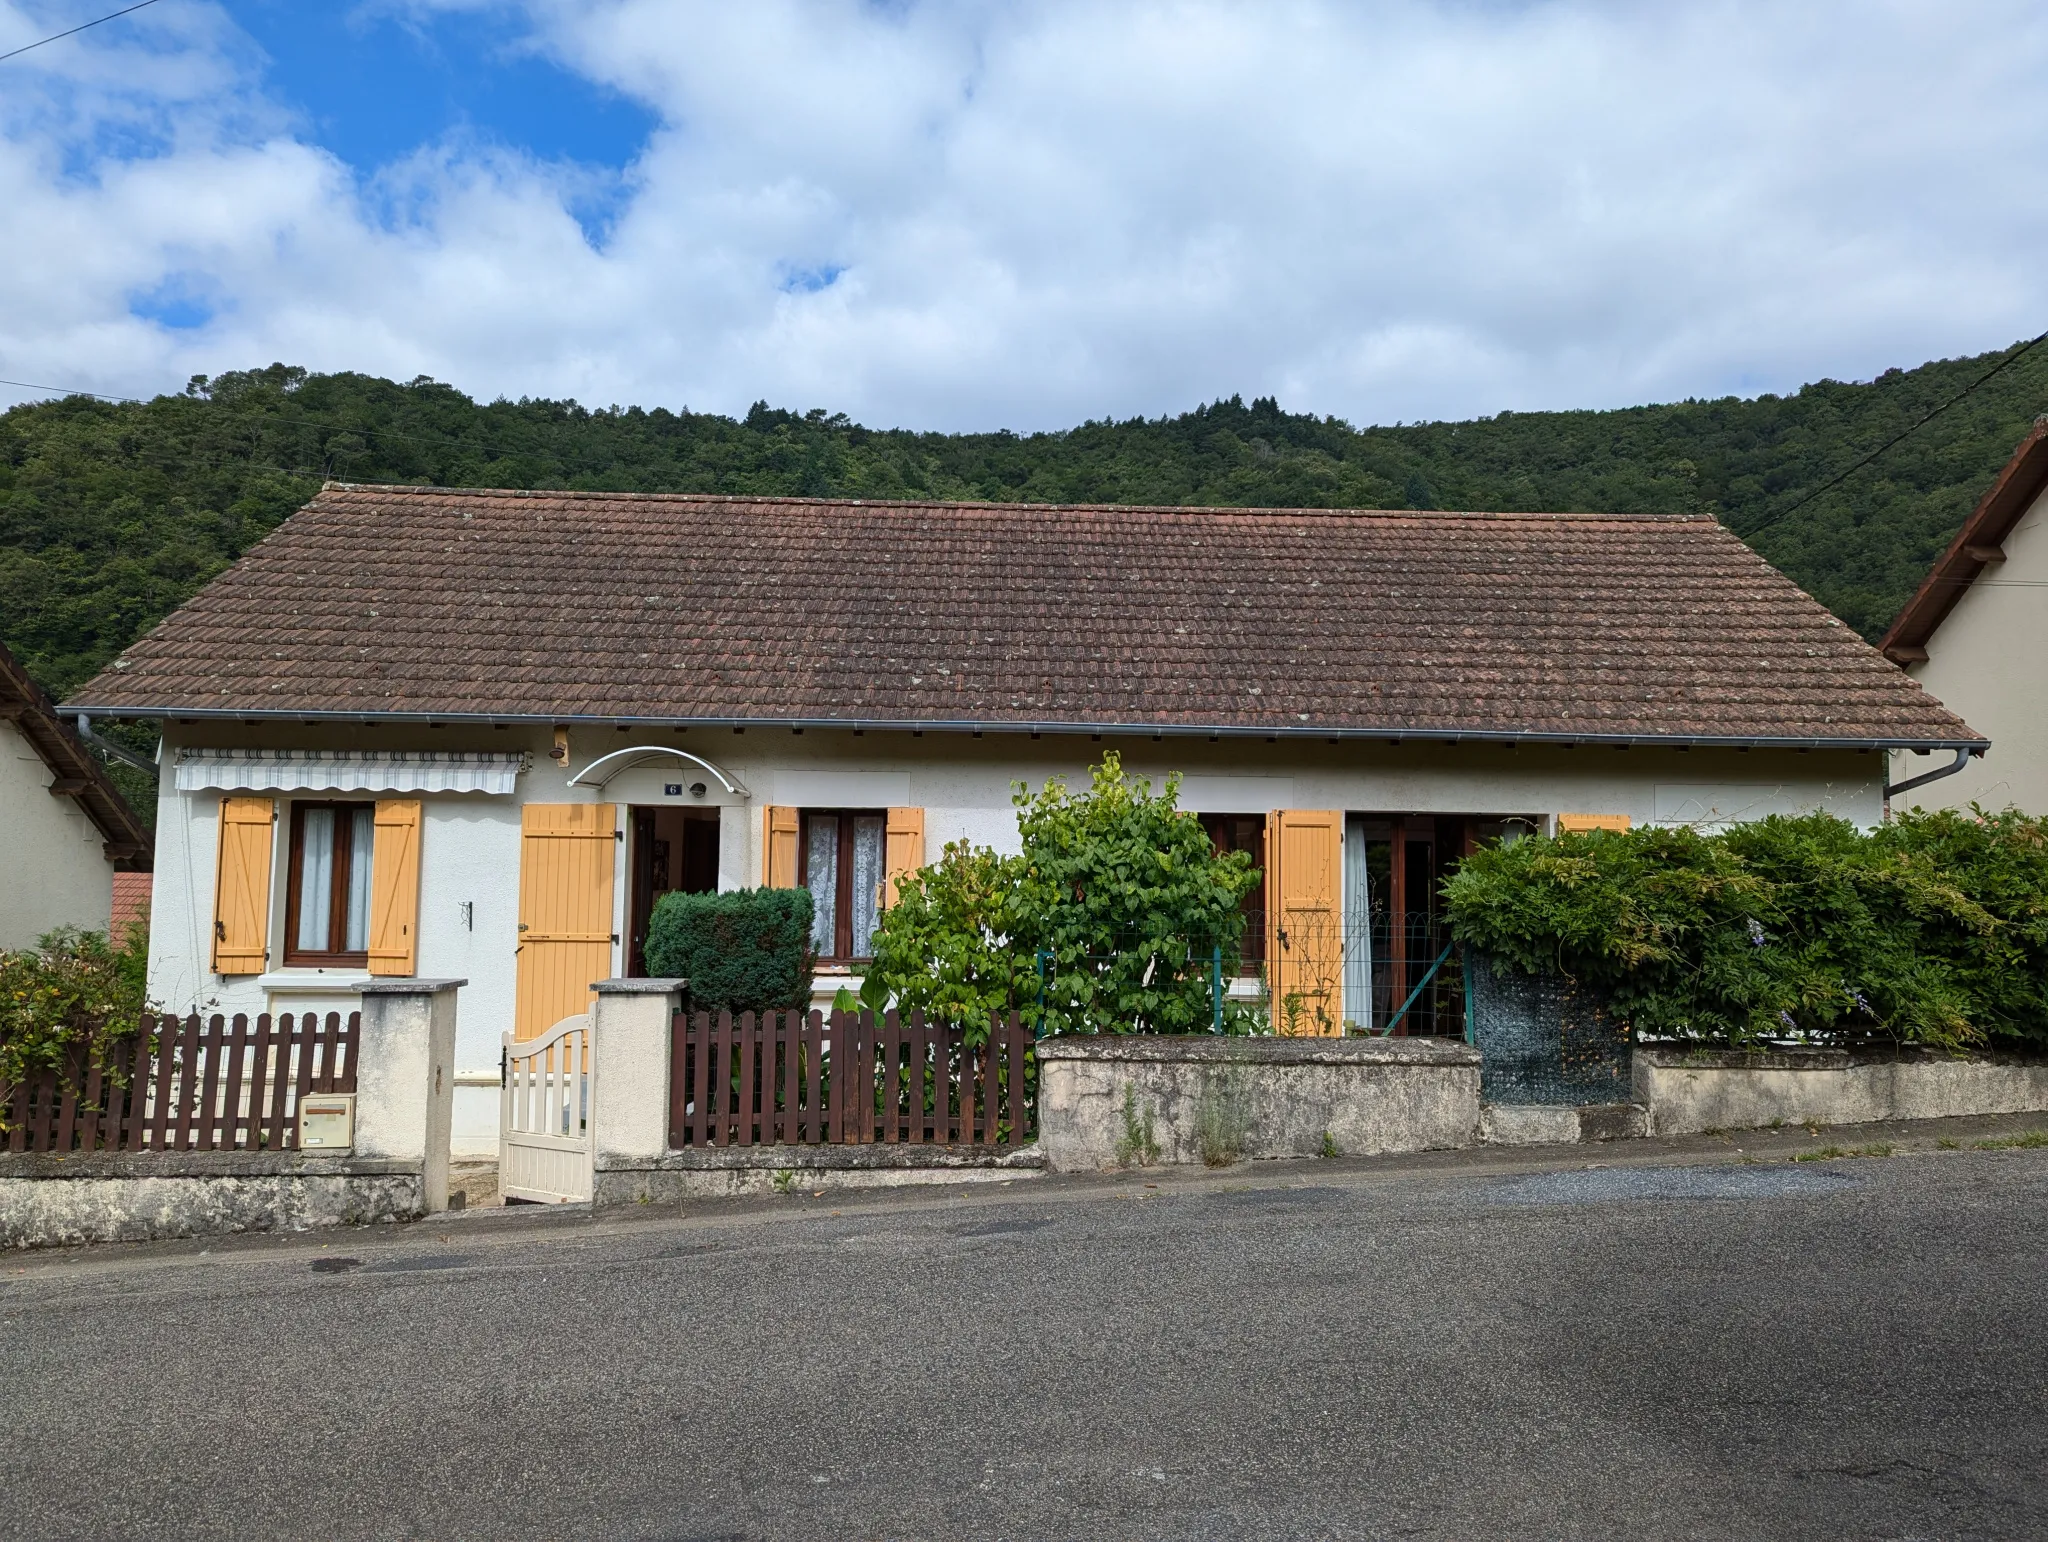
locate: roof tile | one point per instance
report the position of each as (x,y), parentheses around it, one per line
(679,606)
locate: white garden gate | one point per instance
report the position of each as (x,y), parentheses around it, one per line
(544,1138)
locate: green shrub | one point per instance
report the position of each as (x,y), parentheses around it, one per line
(74,989)
(946,946)
(746,950)
(1123,894)
(1932,929)
(1129,897)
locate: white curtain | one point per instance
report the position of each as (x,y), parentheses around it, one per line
(362,836)
(316,879)
(870,841)
(1357,926)
(821,877)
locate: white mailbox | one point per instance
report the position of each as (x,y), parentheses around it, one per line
(327,1121)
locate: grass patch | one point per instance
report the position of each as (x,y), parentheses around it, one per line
(1829,1153)
(1945,1144)
(2032,1140)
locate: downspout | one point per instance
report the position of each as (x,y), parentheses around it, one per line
(1962,759)
(112,750)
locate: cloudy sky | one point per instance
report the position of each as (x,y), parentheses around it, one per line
(987,214)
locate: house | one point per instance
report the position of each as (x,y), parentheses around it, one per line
(69,835)
(1975,633)
(473,734)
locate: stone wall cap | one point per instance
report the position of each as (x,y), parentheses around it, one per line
(409,987)
(657,986)
(1794,1057)
(1211,1049)
(818,1159)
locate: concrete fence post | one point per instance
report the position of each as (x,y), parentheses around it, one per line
(405,1079)
(629,1037)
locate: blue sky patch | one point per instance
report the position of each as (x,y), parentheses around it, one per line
(374,88)
(811,280)
(175,303)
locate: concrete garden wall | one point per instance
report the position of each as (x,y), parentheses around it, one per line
(1135,1099)
(1686,1091)
(52,1200)
(397,1168)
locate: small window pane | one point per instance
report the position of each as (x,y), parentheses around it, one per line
(870,836)
(316,879)
(362,835)
(821,877)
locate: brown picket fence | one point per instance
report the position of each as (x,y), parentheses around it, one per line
(189,1084)
(794,1078)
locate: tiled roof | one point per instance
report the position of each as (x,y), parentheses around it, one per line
(1976,548)
(75,772)
(565,606)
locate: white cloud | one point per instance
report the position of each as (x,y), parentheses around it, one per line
(1031,214)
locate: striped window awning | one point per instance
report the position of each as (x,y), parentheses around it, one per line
(350,770)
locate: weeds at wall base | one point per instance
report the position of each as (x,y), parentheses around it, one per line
(1139,1142)
(1223,1118)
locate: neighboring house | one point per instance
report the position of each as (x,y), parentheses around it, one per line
(1975,634)
(131,902)
(64,826)
(474,734)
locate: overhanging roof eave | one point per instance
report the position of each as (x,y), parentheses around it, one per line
(1443,734)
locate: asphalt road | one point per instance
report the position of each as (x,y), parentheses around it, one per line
(1457,1349)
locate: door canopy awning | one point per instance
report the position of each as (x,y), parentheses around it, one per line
(605,767)
(350,770)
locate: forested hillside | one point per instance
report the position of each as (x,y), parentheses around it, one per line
(112,513)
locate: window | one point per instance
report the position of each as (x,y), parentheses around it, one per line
(327,901)
(1245,833)
(841,861)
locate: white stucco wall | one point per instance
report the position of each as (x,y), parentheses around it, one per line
(54,872)
(469,850)
(469,856)
(1985,664)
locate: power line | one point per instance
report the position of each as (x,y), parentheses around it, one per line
(57,37)
(29,385)
(2003,364)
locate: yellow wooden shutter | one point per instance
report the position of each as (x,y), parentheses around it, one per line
(567,853)
(778,847)
(241,886)
(395,888)
(1305,951)
(905,849)
(1579,824)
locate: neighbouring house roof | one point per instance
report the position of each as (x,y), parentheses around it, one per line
(74,770)
(672,608)
(1976,549)
(131,902)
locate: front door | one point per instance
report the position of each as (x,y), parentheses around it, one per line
(674,849)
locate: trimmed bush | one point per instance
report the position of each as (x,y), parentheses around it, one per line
(744,951)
